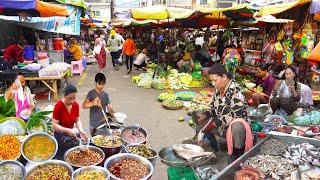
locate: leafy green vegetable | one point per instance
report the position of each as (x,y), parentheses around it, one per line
(7,108)
(36,118)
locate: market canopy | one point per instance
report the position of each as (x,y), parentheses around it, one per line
(31,8)
(278,8)
(78,3)
(161,12)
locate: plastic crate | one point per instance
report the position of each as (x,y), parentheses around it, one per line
(181,174)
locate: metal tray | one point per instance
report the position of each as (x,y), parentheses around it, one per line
(228,172)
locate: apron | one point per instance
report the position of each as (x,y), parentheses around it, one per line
(20,107)
(65,143)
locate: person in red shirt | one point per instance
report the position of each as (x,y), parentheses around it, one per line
(66,122)
(14,53)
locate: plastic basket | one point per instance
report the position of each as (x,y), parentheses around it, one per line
(181,174)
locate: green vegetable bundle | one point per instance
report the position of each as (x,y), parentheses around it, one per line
(7,109)
(36,119)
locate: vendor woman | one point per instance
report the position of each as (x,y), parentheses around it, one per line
(66,121)
(186,64)
(22,97)
(266,82)
(288,94)
(228,113)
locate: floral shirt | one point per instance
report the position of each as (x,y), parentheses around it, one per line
(228,107)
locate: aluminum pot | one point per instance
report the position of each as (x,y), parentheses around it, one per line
(106,131)
(132,128)
(16,163)
(109,151)
(153,159)
(39,134)
(118,157)
(96,149)
(51,162)
(79,171)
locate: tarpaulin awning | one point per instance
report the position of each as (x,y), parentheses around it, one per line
(18,4)
(161,12)
(31,8)
(278,8)
(240,12)
(48,10)
(78,3)
(272,19)
(65,25)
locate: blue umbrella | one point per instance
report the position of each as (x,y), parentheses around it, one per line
(18,4)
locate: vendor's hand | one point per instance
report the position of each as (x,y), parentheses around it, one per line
(83,136)
(71,133)
(97,102)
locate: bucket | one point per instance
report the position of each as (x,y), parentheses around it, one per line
(58,44)
(42,55)
(28,53)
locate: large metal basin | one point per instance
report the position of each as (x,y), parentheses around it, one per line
(109,151)
(23,169)
(79,171)
(96,149)
(39,134)
(144,132)
(53,162)
(118,157)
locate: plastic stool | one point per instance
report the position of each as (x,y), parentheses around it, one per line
(77,67)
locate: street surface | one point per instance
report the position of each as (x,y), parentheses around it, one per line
(141,106)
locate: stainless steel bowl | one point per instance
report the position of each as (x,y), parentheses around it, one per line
(23,169)
(109,151)
(134,128)
(51,162)
(170,158)
(40,134)
(153,159)
(79,171)
(96,149)
(118,157)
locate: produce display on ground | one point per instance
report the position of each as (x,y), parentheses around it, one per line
(172,79)
(172,104)
(9,147)
(185,95)
(167,96)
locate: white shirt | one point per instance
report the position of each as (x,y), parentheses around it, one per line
(199,41)
(115,43)
(121,40)
(140,58)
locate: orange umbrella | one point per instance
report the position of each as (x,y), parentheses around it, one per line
(48,10)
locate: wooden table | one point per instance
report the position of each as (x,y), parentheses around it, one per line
(54,87)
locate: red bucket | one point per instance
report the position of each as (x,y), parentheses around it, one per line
(58,44)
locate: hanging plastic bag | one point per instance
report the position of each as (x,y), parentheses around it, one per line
(278,46)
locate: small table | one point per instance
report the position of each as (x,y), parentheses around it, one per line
(54,87)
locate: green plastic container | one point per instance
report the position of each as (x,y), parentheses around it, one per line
(181,174)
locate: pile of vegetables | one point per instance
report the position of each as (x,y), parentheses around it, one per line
(311,118)
(7,109)
(173,103)
(36,121)
(167,96)
(186,95)
(170,79)
(158,83)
